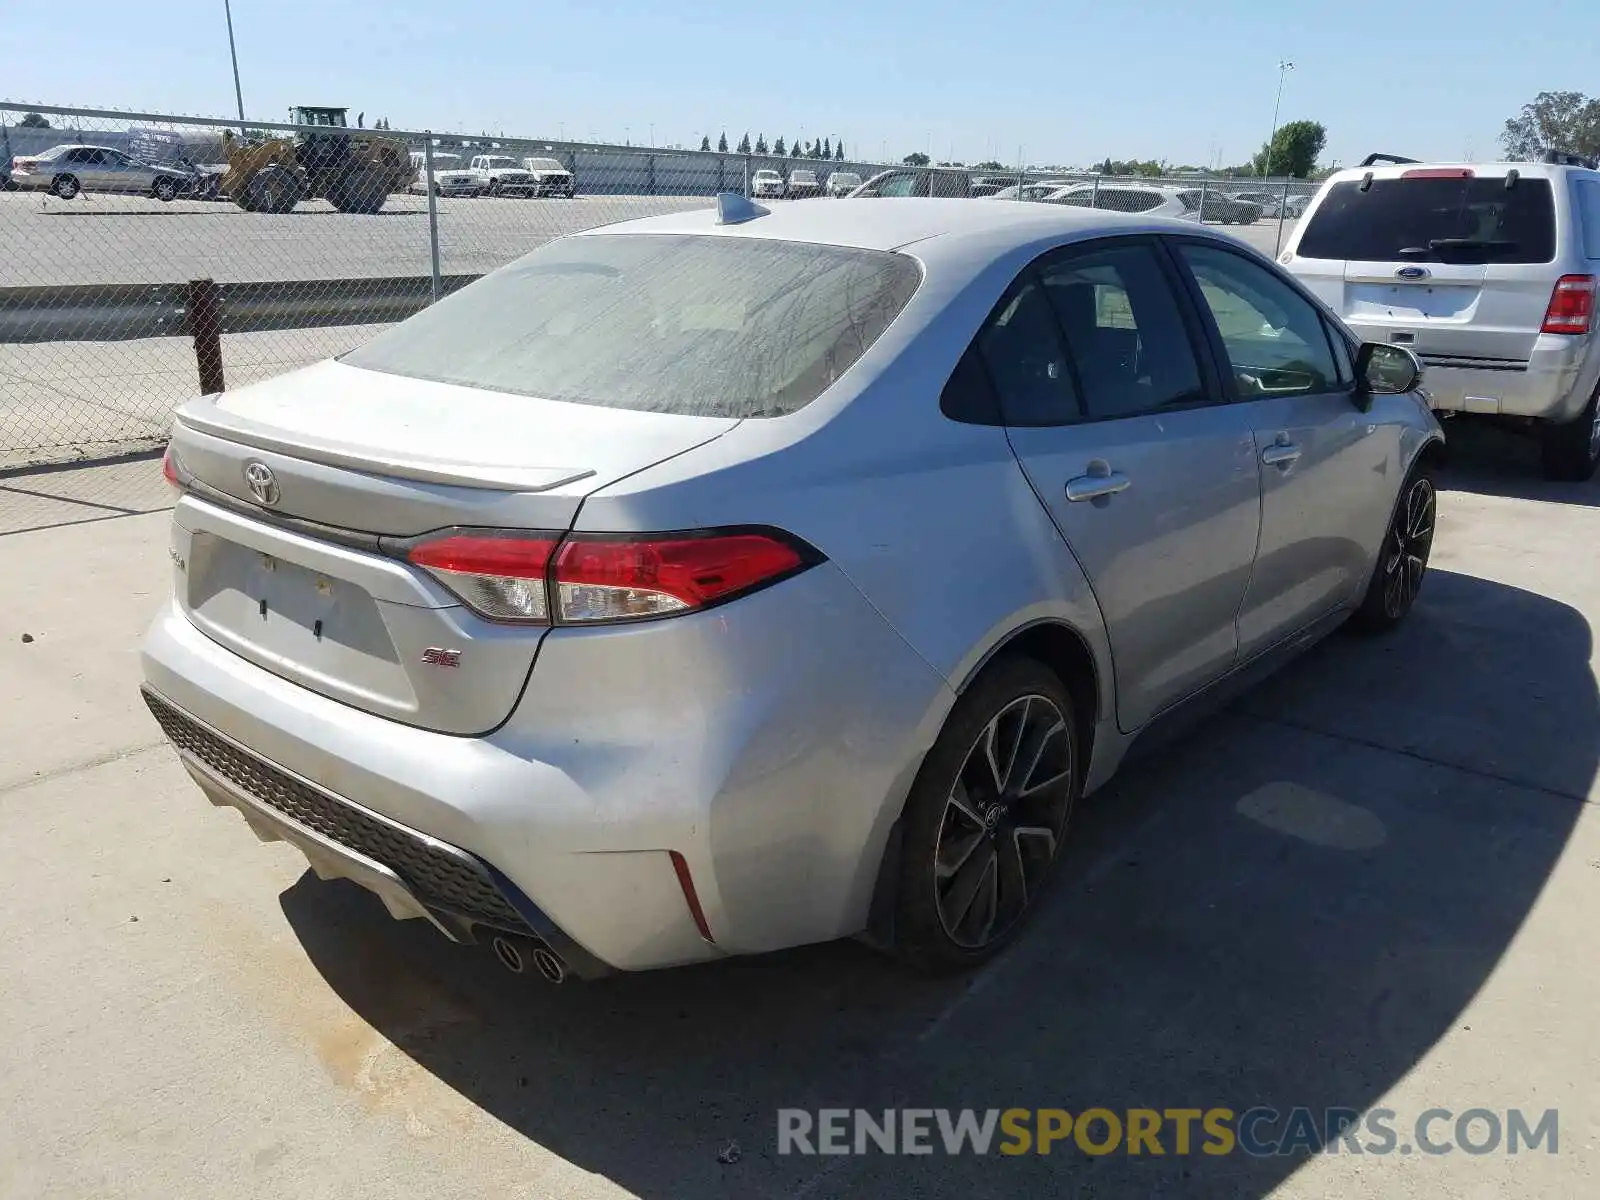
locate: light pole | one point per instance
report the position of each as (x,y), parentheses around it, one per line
(1284,67)
(238,94)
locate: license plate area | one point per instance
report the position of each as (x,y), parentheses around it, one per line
(295,620)
(1411,302)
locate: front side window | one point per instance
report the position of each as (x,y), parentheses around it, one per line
(900,184)
(1274,337)
(1124,329)
(698,325)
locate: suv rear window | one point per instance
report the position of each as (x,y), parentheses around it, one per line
(1434,220)
(691,324)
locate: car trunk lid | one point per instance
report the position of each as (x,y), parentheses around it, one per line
(298,574)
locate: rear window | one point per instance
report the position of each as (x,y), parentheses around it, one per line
(1434,220)
(698,325)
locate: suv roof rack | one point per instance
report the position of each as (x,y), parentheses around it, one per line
(1562,158)
(1374,159)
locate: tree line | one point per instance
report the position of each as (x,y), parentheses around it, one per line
(822,148)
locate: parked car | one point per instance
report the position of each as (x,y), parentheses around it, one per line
(1156,200)
(451,176)
(1220,208)
(1487,271)
(502,175)
(842,183)
(917,181)
(1030,191)
(640,604)
(66,171)
(989,185)
(1121,197)
(803,185)
(1273,203)
(766,185)
(550,178)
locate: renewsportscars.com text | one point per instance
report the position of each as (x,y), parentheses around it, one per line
(1260,1131)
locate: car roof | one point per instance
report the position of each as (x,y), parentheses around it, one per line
(891,223)
(1528,170)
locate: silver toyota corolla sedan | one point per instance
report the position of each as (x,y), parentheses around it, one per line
(735,579)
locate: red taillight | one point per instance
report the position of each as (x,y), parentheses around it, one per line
(172,469)
(1571,305)
(610,580)
(498,575)
(1438,173)
(587,579)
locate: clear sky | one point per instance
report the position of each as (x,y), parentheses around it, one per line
(1068,82)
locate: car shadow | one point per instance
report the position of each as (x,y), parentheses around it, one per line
(1498,462)
(1289,906)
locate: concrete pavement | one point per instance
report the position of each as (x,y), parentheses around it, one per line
(1369,883)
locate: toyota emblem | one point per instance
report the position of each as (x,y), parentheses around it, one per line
(263,484)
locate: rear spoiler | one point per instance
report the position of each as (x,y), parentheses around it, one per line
(1373,160)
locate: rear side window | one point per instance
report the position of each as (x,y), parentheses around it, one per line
(690,324)
(1434,220)
(1021,347)
(1123,326)
(1589,208)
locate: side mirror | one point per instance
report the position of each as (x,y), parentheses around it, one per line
(1385,370)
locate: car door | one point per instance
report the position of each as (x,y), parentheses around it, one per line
(1110,404)
(123,174)
(1326,469)
(94,172)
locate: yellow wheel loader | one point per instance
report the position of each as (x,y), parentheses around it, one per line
(352,169)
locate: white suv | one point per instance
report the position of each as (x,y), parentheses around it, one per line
(1486,271)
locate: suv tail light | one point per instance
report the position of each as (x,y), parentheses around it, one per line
(585,579)
(1571,305)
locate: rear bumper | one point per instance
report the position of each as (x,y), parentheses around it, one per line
(1549,386)
(775,772)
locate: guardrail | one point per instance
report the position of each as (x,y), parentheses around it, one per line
(204,310)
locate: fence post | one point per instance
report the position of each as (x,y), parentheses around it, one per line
(1094,196)
(205,324)
(1283,211)
(747,176)
(433,207)
(1204,187)
(650,171)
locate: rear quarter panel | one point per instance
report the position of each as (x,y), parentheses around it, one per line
(932,519)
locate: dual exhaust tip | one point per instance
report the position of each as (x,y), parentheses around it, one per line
(521,956)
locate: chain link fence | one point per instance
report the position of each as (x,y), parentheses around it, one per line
(150,258)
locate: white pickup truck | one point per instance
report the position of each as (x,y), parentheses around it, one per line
(502,175)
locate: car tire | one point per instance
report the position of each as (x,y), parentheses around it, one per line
(1402,562)
(1570,451)
(65,187)
(494,187)
(165,190)
(979,843)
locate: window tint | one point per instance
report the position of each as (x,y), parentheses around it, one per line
(1589,207)
(1021,347)
(1124,330)
(698,325)
(1434,220)
(1274,336)
(968,395)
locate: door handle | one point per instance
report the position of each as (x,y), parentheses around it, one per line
(1095,485)
(1281,454)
